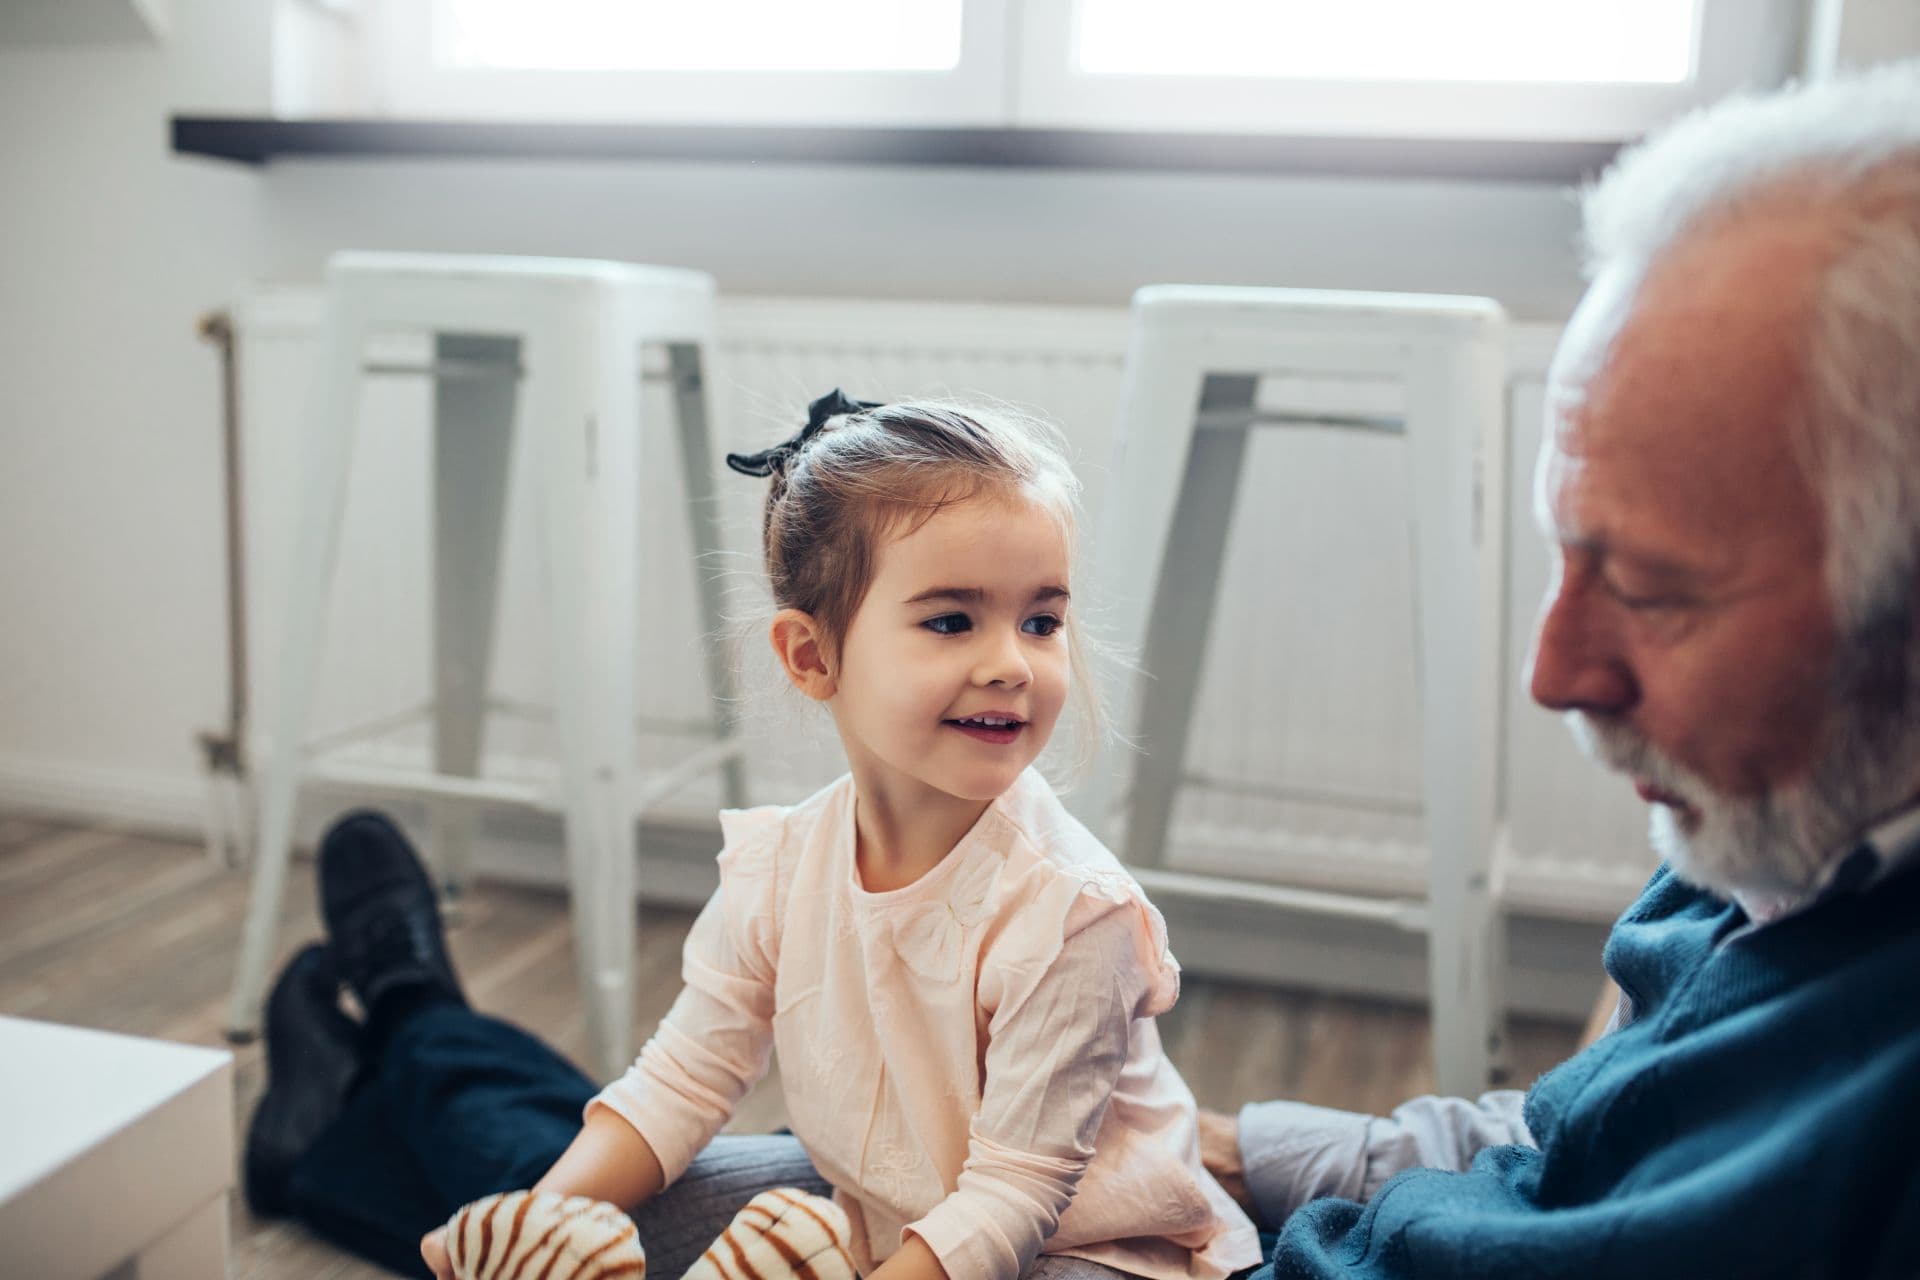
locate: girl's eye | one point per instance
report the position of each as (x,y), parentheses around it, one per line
(1044,624)
(948,624)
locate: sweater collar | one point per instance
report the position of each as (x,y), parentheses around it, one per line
(1886,847)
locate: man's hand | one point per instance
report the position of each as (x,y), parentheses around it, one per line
(433,1247)
(1220,1153)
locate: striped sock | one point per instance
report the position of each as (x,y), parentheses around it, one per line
(781,1233)
(524,1234)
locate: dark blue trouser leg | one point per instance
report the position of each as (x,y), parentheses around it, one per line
(462,1105)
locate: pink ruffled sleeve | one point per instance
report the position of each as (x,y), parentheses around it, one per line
(715,1042)
(1059,1037)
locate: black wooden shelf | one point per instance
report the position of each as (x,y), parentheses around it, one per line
(261,140)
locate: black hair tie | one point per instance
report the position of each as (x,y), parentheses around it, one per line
(768,461)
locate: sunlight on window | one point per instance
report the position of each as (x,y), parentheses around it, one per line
(1508,40)
(707,35)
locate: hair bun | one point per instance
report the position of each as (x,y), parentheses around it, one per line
(526,1233)
(773,461)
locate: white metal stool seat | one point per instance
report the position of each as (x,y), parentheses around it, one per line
(566,340)
(1195,363)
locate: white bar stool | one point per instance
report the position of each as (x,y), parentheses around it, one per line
(573,332)
(1195,362)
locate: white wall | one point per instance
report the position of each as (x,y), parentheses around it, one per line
(111,651)
(981,235)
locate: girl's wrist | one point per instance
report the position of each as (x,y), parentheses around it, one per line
(608,1160)
(915,1260)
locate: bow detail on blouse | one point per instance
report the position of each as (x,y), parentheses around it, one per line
(929,937)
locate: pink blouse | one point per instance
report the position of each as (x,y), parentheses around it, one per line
(971,1058)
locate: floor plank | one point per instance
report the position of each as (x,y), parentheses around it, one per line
(125,932)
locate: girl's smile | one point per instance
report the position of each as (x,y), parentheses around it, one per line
(997,727)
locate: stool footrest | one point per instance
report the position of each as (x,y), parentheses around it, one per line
(1401,913)
(383,779)
(387,780)
(661,785)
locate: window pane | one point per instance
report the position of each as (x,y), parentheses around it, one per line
(1511,40)
(701,35)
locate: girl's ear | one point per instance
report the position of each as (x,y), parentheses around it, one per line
(801,646)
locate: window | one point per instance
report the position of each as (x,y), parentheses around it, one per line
(898,62)
(715,35)
(1498,69)
(1627,40)
(1492,69)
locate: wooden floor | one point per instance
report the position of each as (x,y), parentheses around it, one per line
(129,933)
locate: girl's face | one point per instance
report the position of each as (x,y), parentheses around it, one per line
(954,669)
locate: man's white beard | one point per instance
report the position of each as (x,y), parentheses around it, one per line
(1772,846)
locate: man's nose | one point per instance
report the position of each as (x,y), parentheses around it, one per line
(1575,664)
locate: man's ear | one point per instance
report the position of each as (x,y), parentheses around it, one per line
(801,645)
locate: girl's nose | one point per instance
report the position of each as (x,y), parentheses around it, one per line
(1004,663)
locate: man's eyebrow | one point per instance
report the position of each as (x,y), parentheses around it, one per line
(1658,566)
(1641,559)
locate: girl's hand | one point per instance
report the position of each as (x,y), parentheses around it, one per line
(433,1247)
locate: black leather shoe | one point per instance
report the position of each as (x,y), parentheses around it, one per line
(312,1055)
(382,918)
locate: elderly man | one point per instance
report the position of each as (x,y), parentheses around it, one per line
(1731,481)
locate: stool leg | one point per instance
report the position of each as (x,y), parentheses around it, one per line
(1159,397)
(473,441)
(703,517)
(582,402)
(1454,432)
(1182,616)
(227,841)
(323,490)
(222,841)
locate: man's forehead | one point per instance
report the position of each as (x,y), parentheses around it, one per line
(1737,285)
(1668,400)
(1587,343)
(1566,492)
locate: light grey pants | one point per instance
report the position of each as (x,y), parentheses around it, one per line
(677,1225)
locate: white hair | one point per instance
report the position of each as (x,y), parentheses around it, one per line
(1851,146)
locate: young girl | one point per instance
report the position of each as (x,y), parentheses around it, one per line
(959,979)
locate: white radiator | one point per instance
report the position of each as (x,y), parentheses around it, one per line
(1304,752)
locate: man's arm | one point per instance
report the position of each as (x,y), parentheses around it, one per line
(1276,1156)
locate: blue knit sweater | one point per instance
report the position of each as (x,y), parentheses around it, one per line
(1759,1117)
